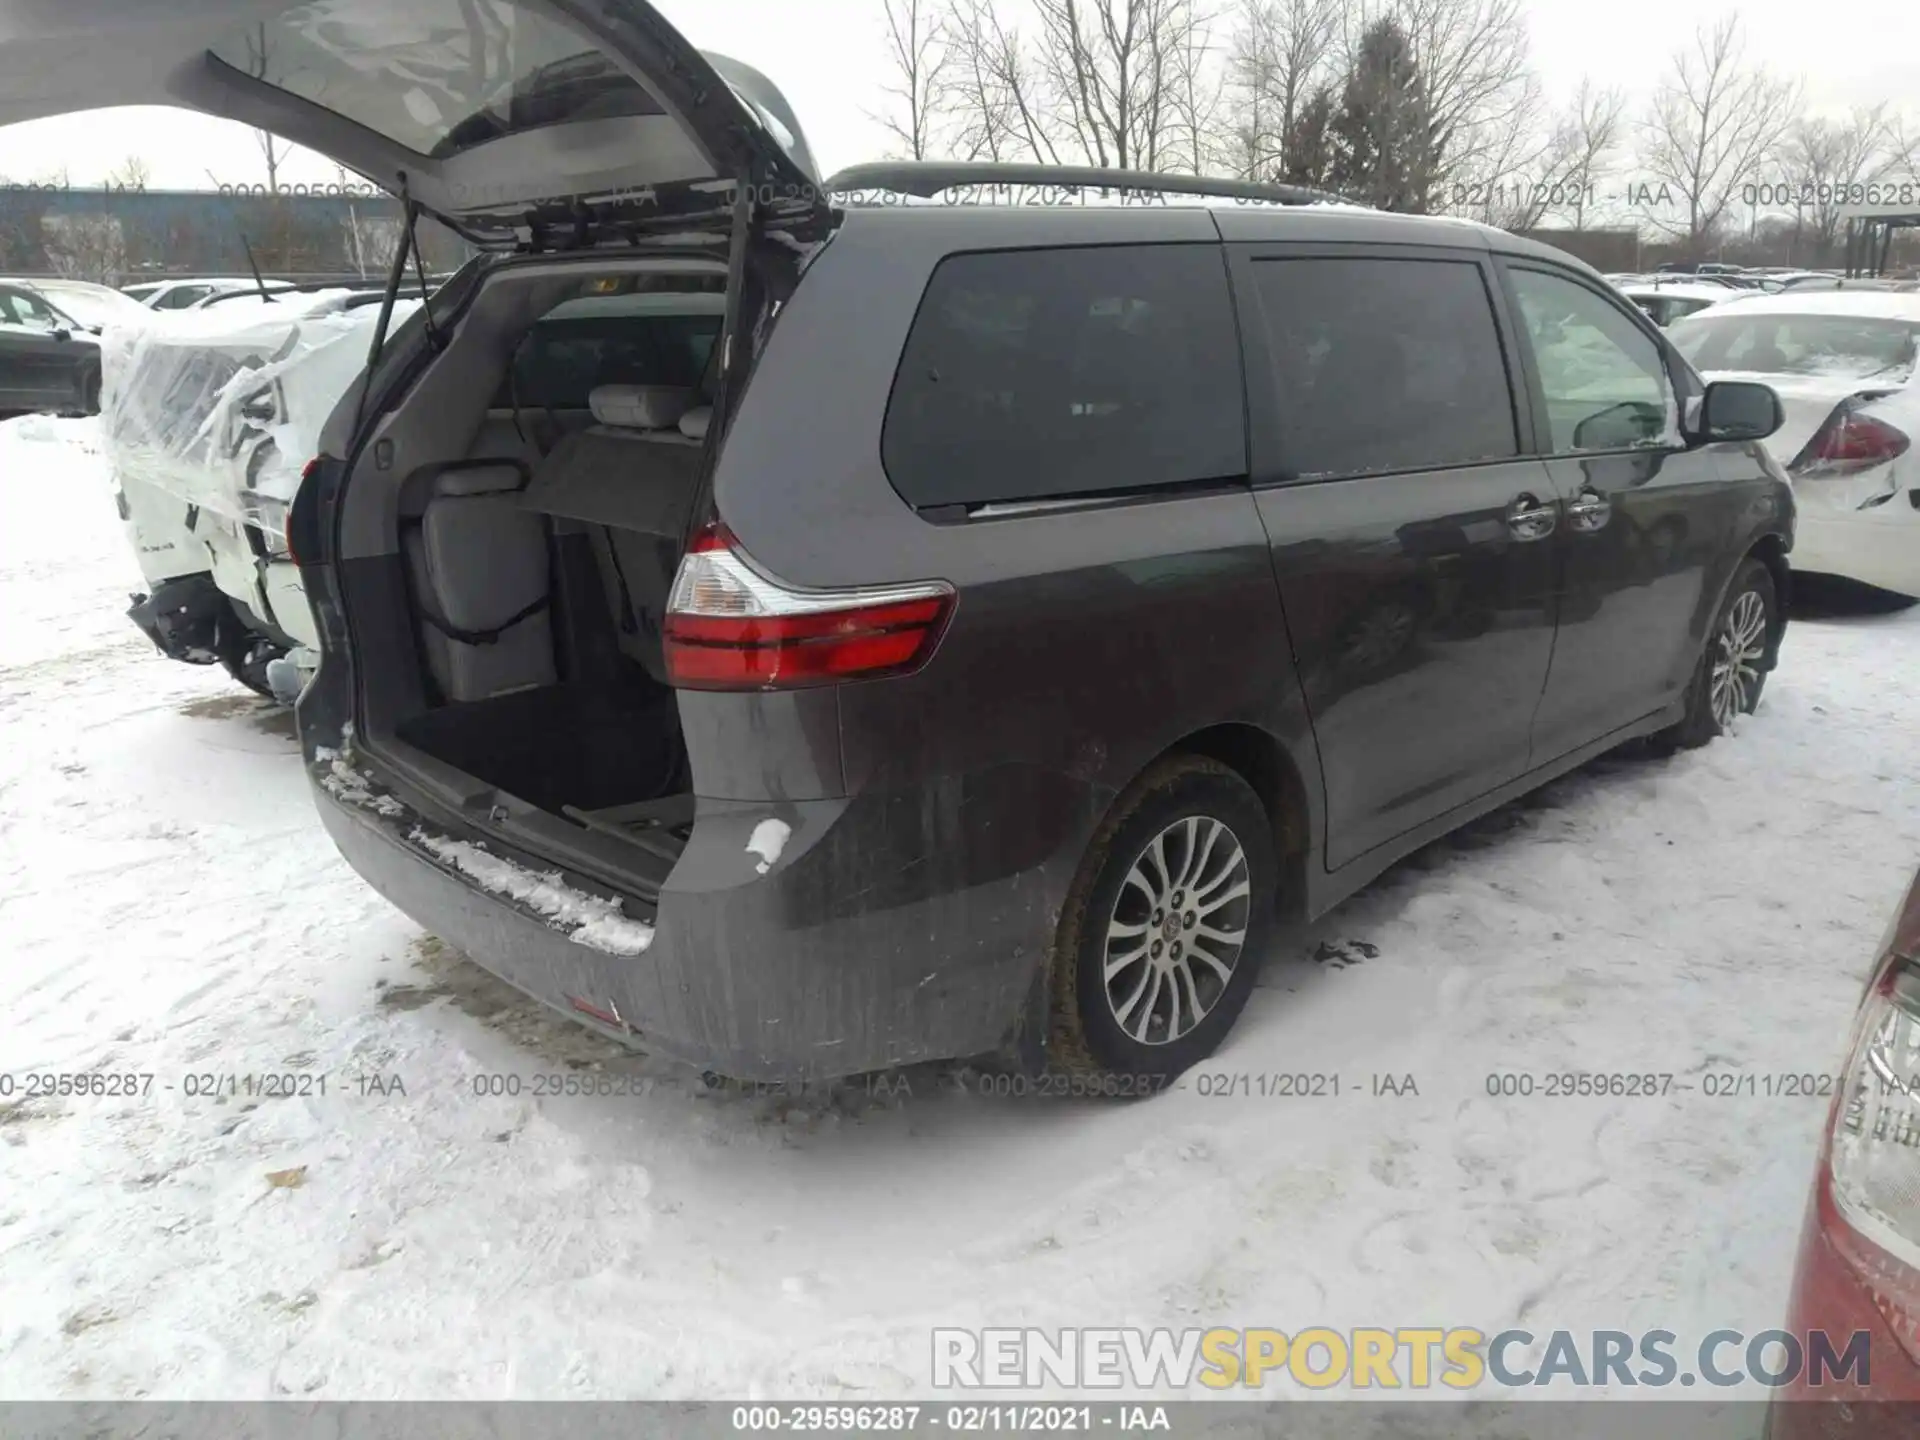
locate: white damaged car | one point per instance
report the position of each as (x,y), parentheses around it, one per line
(1843,364)
(209,421)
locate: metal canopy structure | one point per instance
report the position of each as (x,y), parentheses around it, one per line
(1870,232)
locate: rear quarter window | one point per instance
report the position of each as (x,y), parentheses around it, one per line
(1043,374)
(1383,364)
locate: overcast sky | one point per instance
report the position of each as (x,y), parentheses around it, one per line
(828,56)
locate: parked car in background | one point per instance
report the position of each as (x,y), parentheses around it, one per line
(94,306)
(1667,300)
(184,293)
(49,359)
(209,418)
(1858,1270)
(1843,364)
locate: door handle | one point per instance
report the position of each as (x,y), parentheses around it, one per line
(1589,510)
(1528,519)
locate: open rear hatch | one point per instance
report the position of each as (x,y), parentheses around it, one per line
(530,124)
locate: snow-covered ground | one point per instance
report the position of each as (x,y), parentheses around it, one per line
(170,907)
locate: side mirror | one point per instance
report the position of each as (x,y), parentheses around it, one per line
(1739,410)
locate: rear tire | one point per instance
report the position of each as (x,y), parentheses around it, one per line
(1163,932)
(1732,670)
(245,655)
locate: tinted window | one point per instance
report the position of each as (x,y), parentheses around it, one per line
(621,340)
(1384,365)
(1604,379)
(1043,373)
(1852,346)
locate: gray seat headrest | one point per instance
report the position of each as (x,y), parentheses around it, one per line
(641,407)
(694,423)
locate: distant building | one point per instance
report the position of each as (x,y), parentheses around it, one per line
(116,235)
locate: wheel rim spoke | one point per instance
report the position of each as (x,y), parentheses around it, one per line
(1145,1018)
(1156,951)
(1734,679)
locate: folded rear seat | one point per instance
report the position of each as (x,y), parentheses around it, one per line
(630,480)
(479,567)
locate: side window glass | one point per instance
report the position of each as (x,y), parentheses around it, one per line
(1384,365)
(28,311)
(1605,381)
(1040,374)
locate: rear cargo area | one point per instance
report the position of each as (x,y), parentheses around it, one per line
(573,748)
(522,624)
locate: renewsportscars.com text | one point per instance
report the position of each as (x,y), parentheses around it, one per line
(1390,1358)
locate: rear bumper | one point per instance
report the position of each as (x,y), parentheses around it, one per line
(1876,547)
(844,955)
(182,618)
(1830,1304)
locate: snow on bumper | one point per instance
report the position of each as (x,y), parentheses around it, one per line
(798,951)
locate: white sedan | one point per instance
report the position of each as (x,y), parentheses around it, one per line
(1843,365)
(1666,301)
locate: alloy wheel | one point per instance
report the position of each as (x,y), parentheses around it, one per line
(1738,649)
(1178,926)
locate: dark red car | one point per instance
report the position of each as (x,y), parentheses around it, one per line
(1859,1265)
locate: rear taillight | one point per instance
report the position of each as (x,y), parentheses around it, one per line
(729,627)
(1848,442)
(286,520)
(1873,1153)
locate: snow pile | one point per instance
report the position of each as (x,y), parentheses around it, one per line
(346,783)
(584,919)
(769,838)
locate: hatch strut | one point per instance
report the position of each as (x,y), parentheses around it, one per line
(396,274)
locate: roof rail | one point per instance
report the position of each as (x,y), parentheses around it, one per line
(927,178)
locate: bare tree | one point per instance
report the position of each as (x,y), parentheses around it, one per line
(1109,67)
(1589,134)
(1824,160)
(917,53)
(86,246)
(1506,182)
(1474,60)
(993,90)
(1279,53)
(1713,118)
(1534,168)
(132,173)
(1196,101)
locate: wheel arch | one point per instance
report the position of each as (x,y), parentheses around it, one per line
(1260,759)
(1771,551)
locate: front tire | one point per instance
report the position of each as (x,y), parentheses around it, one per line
(1733,666)
(1164,929)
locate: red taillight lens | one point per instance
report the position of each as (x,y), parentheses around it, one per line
(729,627)
(1848,442)
(1873,1154)
(286,521)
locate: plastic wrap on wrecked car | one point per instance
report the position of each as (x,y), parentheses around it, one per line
(224,411)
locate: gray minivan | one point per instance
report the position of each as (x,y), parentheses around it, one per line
(975,641)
